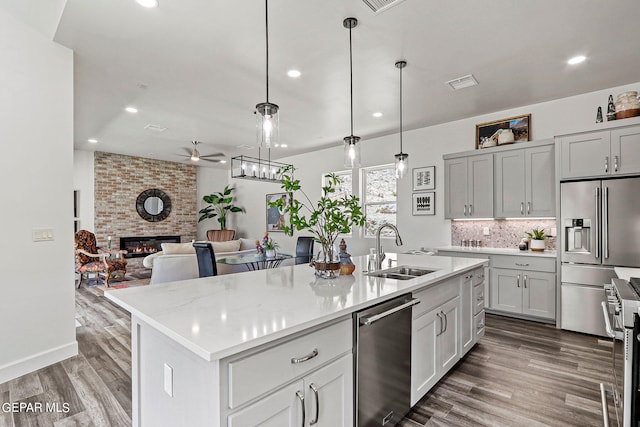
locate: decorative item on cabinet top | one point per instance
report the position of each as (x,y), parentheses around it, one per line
(488,134)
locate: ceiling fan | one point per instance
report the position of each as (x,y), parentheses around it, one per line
(195,156)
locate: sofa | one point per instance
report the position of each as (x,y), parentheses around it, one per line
(177,261)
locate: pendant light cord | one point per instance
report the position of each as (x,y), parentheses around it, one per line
(351,77)
(400,110)
(266,19)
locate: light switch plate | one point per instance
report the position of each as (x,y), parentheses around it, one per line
(42,234)
(168,380)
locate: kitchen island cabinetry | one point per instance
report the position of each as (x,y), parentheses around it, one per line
(271,347)
(601,153)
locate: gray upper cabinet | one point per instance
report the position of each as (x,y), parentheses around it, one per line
(468,187)
(524,182)
(601,153)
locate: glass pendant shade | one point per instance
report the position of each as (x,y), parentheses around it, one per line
(351,152)
(267,124)
(402,164)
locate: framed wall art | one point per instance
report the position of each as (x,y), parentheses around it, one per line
(276,218)
(424,178)
(519,125)
(424,203)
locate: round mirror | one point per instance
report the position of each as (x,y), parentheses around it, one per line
(153,205)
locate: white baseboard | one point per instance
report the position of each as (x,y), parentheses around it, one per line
(37,361)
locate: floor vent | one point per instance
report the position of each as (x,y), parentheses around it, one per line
(381,5)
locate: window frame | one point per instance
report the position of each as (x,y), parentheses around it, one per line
(363,195)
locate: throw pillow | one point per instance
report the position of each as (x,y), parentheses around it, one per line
(246,244)
(177,248)
(229,246)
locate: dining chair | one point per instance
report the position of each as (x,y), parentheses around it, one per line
(304,250)
(206,259)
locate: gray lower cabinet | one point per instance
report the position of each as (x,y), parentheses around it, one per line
(531,293)
(469,187)
(601,153)
(524,182)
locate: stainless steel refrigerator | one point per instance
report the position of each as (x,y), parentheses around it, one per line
(600,229)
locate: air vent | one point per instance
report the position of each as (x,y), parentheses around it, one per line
(381,5)
(462,82)
(155,128)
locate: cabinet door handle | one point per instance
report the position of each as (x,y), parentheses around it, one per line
(470,210)
(446,322)
(615,163)
(441,331)
(528,208)
(518,282)
(597,222)
(521,208)
(296,360)
(301,398)
(522,265)
(465,210)
(525,281)
(606,164)
(314,389)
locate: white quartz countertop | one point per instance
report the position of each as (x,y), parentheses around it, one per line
(216,317)
(626,273)
(498,251)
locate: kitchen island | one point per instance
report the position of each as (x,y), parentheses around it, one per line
(241,349)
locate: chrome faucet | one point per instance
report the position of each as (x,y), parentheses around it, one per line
(380,256)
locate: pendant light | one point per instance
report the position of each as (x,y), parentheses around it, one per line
(351,146)
(266,112)
(402,159)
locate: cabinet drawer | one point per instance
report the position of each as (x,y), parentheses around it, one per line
(258,373)
(478,298)
(478,324)
(436,295)
(478,276)
(527,263)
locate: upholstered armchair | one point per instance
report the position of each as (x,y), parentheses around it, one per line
(91,259)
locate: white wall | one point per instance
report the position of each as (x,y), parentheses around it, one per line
(210,180)
(36,106)
(84,183)
(426,147)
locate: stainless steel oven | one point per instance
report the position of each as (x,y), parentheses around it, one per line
(622,324)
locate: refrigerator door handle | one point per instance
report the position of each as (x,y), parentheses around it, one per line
(597,230)
(605,224)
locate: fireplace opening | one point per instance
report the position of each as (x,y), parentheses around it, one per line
(143,246)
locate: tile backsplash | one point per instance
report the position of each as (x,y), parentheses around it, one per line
(502,233)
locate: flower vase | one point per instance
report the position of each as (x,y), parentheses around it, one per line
(327,262)
(270,253)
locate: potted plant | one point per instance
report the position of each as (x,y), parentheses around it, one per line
(326,219)
(537,239)
(269,246)
(220,204)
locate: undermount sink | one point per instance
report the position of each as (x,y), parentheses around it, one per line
(401,272)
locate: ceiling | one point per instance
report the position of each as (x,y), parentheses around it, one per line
(197,68)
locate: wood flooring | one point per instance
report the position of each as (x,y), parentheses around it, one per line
(519,374)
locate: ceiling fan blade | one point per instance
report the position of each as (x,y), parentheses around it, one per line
(213,155)
(210,160)
(187,151)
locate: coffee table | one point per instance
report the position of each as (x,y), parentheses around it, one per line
(254,261)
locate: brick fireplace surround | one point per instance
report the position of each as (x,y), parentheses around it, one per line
(118,182)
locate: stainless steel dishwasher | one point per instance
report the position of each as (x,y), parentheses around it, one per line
(383,362)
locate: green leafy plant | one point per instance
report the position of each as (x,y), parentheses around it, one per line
(220,205)
(326,219)
(268,243)
(537,234)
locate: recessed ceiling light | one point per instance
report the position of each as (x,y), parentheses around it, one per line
(276,145)
(576,60)
(294,73)
(131,109)
(223,161)
(92,140)
(377,114)
(148,3)
(283,145)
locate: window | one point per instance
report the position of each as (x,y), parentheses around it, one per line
(346,184)
(345,188)
(379,198)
